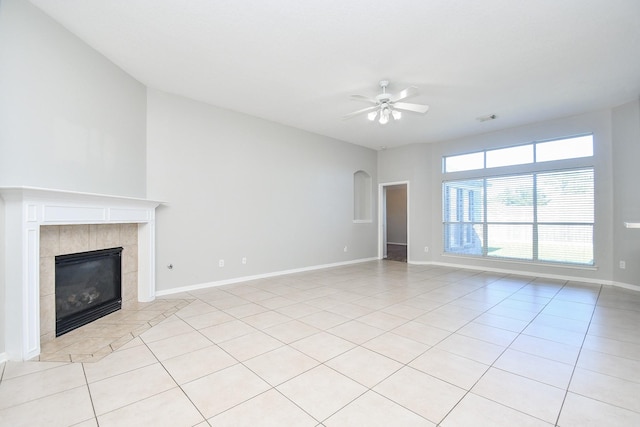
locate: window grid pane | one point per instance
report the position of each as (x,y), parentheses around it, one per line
(510,241)
(464,162)
(511,156)
(566,243)
(566,196)
(510,199)
(568,148)
(545,216)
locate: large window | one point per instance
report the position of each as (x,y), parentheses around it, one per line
(537,215)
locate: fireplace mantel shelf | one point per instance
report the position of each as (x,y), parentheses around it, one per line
(26,209)
(38,193)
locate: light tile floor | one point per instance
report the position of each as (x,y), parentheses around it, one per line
(373,344)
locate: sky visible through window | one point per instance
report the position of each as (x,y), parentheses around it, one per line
(535,152)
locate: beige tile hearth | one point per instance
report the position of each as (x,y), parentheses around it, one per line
(94,341)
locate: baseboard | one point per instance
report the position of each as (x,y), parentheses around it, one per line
(358,261)
(518,272)
(626,286)
(259,276)
(4,357)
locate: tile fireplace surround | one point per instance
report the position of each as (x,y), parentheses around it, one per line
(27,214)
(69,239)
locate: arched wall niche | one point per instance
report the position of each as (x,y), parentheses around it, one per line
(361,196)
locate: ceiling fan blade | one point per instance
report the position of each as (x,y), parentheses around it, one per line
(417,108)
(408,92)
(363,98)
(355,113)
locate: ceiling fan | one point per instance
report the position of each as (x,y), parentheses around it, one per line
(386,106)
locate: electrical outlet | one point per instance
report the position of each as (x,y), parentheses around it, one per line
(221,263)
(345,249)
(426,248)
(244,259)
(623,265)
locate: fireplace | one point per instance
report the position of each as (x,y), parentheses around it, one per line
(29,297)
(88,286)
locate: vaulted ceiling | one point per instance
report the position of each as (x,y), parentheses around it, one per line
(296,62)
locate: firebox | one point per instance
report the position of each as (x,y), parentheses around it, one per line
(88,286)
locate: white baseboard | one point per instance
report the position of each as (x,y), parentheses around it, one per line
(4,357)
(519,272)
(259,276)
(358,261)
(533,274)
(626,286)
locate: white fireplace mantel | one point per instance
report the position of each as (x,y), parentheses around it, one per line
(25,210)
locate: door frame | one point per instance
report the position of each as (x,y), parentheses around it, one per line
(382,217)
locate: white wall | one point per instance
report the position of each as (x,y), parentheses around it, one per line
(238,186)
(69,118)
(412,163)
(626,175)
(408,162)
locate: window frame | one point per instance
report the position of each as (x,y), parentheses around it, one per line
(516,170)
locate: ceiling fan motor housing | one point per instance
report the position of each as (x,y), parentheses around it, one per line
(384,96)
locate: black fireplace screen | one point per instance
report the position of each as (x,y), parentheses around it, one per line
(88,286)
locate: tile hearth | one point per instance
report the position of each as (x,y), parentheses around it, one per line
(94,341)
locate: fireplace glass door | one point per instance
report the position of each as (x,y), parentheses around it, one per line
(88,285)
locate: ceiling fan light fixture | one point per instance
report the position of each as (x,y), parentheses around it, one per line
(385,106)
(385,112)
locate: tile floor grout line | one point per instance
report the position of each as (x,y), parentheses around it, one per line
(505,349)
(93,406)
(338,355)
(175,381)
(275,388)
(346,404)
(371,389)
(406,365)
(272,387)
(575,365)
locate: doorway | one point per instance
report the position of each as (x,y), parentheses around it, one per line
(393,239)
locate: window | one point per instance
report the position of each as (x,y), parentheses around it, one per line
(536,215)
(464,162)
(535,152)
(463,216)
(573,148)
(510,156)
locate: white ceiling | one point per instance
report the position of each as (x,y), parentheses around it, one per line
(296,62)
